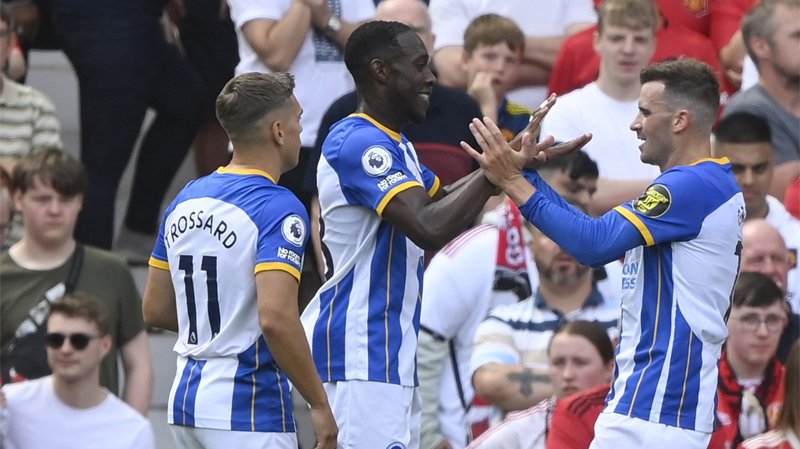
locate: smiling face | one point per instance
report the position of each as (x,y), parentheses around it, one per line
(624,52)
(576,365)
(412,80)
(652,125)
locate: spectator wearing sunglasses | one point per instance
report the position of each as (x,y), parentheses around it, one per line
(69,409)
(750,374)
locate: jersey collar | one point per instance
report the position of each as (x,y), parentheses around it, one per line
(394,135)
(237,171)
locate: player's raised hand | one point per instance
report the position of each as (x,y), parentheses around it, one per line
(549,151)
(325,427)
(534,126)
(499,161)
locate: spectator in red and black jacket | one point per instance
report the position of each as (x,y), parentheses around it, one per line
(750,374)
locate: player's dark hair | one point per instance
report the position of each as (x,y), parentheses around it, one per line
(592,331)
(82,305)
(51,167)
(760,21)
(373,40)
(789,416)
(756,290)
(688,84)
(576,165)
(248,98)
(743,127)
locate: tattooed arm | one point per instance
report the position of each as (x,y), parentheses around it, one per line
(511,387)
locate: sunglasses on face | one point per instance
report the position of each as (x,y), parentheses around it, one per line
(78,341)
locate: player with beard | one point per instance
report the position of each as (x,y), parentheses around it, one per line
(380,209)
(509,361)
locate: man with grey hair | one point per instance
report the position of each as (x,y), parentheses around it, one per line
(770,32)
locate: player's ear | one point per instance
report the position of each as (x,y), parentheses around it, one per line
(681,120)
(380,70)
(277,132)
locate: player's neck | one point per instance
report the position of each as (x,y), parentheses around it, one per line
(35,255)
(267,164)
(81,393)
(387,115)
(566,298)
(688,151)
(743,370)
(619,91)
(759,211)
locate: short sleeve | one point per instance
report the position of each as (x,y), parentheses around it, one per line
(579,11)
(430,181)
(243,11)
(494,343)
(159,259)
(670,209)
(450,18)
(282,235)
(372,169)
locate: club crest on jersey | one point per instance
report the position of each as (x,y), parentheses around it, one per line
(697,7)
(396,445)
(792,258)
(294,230)
(376,161)
(655,201)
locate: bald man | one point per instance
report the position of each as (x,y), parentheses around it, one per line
(764,251)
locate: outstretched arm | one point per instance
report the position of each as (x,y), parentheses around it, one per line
(590,241)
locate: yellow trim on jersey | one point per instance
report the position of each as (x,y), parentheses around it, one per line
(155,263)
(283,404)
(630,216)
(330,319)
(253,402)
(436,184)
(395,190)
(188,383)
(240,171)
(388,296)
(722,160)
(268,266)
(685,378)
(517,109)
(655,336)
(392,134)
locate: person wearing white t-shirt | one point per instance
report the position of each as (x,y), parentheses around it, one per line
(545,23)
(464,282)
(69,409)
(746,140)
(625,41)
(305,38)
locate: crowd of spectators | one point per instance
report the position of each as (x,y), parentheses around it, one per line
(507,315)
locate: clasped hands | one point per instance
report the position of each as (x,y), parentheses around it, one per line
(502,161)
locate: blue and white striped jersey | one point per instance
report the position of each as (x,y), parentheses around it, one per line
(676,295)
(364,321)
(219,233)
